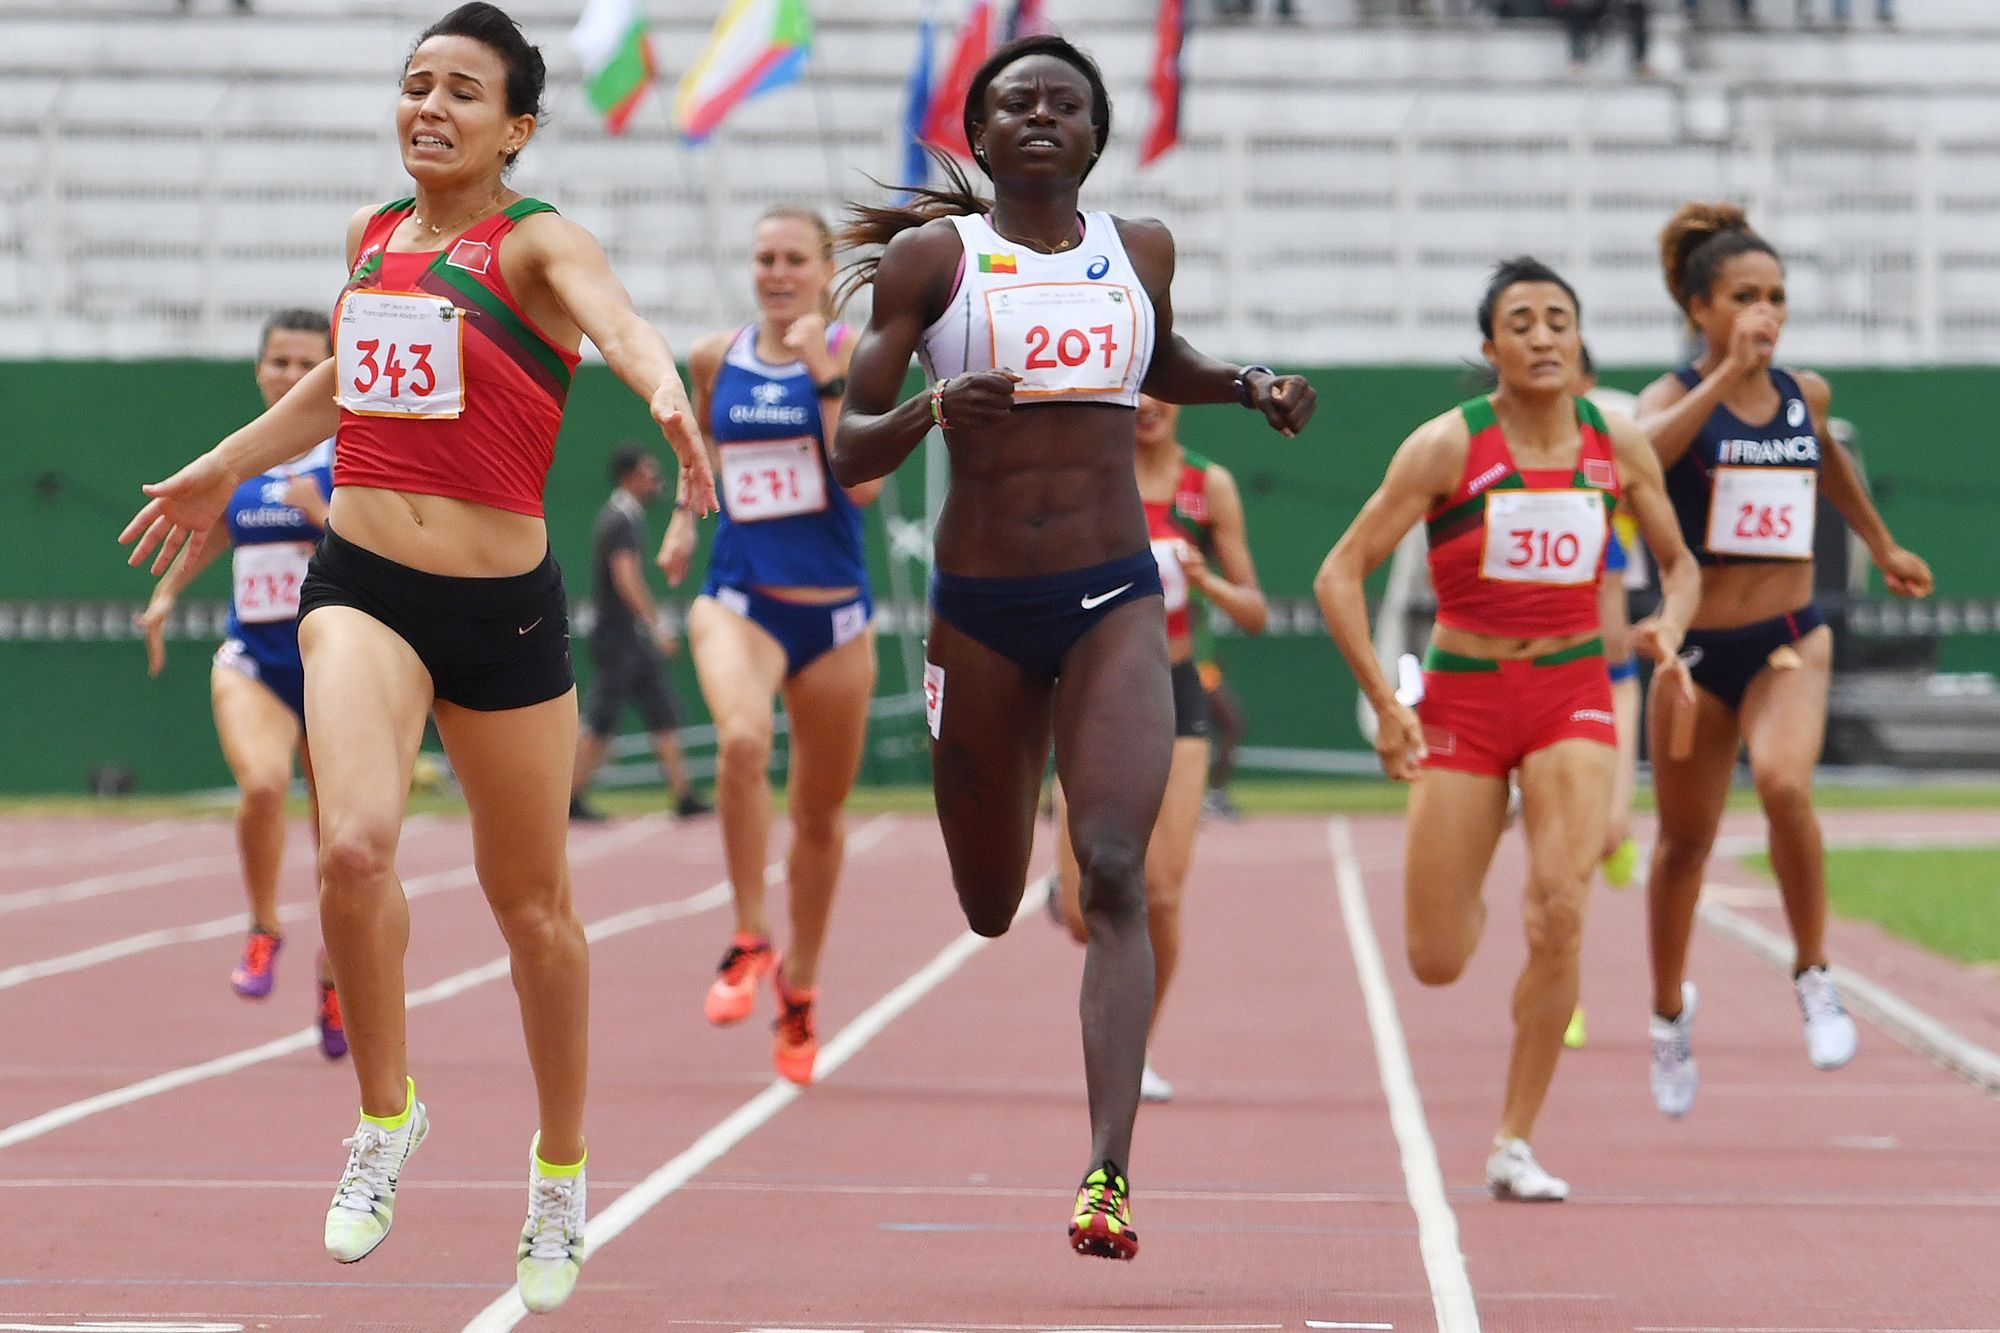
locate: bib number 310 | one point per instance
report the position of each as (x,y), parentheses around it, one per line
(1548,537)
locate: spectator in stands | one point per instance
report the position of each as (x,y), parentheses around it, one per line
(1843,11)
(629,644)
(1585,21)
(1745,12)
(241,6)
(1242,9)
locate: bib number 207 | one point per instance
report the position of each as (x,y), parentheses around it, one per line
(1072,347)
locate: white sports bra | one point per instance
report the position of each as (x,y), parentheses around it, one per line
(1076,326)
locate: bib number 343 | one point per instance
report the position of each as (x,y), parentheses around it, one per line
(399,354)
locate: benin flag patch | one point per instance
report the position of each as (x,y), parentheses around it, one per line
(997,264)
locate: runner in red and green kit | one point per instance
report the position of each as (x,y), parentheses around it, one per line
(1517,489)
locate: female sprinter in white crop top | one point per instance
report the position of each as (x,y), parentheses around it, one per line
(1038,326)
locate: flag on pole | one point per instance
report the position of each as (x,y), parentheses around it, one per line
(944,123)
(757,45)
(610,39)
(917,101)
(1028,20)
(1165,129)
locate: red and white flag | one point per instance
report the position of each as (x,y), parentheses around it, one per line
(1164,131)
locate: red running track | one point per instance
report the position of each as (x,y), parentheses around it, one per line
(925,1183)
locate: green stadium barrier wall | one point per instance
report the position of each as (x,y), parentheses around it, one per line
(81,437)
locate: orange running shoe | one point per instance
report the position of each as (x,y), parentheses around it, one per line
(1102,1223)
(797,1046)
(734,993)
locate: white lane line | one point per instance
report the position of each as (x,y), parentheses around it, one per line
(1437,1226)
(457,984)
(745,1120)
(122,1326)
(142,835)
(1903,1021)
(121,881)
(418,886)
(144,877)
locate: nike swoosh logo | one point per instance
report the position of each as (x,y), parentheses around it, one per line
(538,620)
(1092,603)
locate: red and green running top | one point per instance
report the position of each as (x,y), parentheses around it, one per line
(446,386)
(1518,553)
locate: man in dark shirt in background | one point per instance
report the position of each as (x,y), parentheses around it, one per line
(628,643)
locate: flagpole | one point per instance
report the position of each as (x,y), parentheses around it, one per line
(683,155)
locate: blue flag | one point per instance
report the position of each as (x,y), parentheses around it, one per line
(916,101)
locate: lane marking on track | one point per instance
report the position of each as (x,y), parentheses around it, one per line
(145,877)
(124,1326)
(418,886)
(143,835)
(1341,1323)
(508,1311)
(1437,1226)
(1906,1024)
(716,895)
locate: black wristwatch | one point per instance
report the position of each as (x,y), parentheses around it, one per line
(1243,383)
(833,388)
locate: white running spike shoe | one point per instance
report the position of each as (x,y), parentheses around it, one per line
(551,1253)
(1153,1088)
(364,1203)
(1830,1034)
(1513,1173)
(1673,1076)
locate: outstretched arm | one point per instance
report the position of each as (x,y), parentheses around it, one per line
(1180,373)
(574,266)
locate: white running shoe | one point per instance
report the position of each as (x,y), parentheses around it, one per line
(364,1203)
(1153,1088)
(1830,1034)
(551,1253)
(1674,1077)
(1513,1173)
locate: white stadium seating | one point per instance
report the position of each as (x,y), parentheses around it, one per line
(1343,185)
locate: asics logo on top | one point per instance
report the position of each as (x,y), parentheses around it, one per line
(1092,603)
(1795,413)
(1099,266)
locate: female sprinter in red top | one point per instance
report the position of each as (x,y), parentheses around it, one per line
(1516,490)
(1744,445)
(1037,326)
(784,611)
(434,592)
(1193,511)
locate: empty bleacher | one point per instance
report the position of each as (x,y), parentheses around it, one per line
(1343,184)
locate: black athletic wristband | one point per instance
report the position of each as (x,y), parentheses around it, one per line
(1243,383)
(833,388)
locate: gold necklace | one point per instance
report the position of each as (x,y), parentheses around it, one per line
(436,230)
